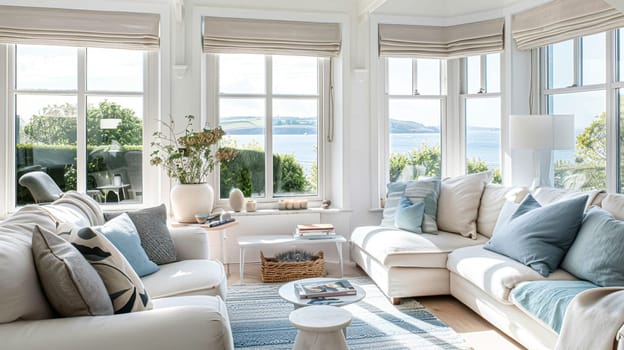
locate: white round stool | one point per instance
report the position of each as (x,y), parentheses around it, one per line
(320,327)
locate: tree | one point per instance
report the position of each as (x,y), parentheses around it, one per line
(56,125)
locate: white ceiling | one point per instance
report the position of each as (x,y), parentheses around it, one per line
(443,8)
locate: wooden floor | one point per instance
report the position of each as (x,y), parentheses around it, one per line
(477,332)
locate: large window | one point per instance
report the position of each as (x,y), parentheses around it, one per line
(415,103)
(79,117)
(582,79)
(271,108)
(482,112)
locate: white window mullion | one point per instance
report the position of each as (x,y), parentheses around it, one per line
(81,122)
(612,113)
(7,154)
(322,159)
(483,74)
(578,63)
(415,77)
(268,139)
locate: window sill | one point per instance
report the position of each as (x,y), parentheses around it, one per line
(261,212)
(376,210)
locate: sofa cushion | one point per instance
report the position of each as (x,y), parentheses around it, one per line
(549,195)
(596,254)
(71,284)
(539,236)
(614,204)
(393,196)
(492,201)
(547,301)
(124,236)
(494,273)
(151,223)
(409,216)
(21,295)
(124,287)
(426,191)
(397,248)
(187,277)
(458,206)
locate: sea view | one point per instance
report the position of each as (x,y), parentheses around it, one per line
(482,144)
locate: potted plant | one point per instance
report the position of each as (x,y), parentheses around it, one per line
(189,158)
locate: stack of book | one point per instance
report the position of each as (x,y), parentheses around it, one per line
(322,289)
(315,231)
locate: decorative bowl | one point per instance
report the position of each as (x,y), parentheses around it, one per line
(201,218)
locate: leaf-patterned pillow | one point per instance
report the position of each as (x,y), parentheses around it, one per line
(124,286)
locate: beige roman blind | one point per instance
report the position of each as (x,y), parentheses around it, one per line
(82,28)
(561,20)
(468,39)
(241,35)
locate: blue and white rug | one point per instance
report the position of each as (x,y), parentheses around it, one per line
(259,319)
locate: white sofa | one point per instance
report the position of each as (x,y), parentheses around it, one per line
(404,264)
(189,312)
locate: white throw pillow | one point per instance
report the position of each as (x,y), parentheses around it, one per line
(458,206)
(614,204)
(492,200)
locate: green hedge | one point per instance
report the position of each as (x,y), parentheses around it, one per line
(246,172)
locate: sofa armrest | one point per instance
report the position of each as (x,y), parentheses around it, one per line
(190,243)
(188,327)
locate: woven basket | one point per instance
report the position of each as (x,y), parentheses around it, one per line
(276,271)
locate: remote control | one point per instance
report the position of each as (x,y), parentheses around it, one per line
(221,222)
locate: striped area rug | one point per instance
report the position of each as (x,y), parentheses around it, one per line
(259,319)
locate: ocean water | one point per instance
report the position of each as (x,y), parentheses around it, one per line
(481,144)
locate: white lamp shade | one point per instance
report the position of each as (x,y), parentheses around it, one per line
(541,132)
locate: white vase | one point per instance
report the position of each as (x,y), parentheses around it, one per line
(237,200)
(188,200)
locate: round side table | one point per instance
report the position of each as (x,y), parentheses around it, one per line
(320,327)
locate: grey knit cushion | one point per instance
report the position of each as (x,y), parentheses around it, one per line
(155,237)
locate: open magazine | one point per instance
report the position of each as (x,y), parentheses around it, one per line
(327,288)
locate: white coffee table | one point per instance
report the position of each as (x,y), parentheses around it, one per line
(287,292)
(245,242)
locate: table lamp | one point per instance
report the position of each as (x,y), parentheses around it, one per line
(542,134)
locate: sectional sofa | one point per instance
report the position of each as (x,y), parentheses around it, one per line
(407,264)
(187,295)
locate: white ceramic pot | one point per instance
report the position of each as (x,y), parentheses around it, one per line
(191,199)
(237,200)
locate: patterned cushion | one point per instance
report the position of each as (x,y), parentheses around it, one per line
(151,223)
(71,284)
(426,191)
(124,287)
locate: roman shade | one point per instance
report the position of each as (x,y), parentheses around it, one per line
(81,28)
(256,36)
(397,40)
(561,20)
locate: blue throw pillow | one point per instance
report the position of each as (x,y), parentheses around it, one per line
(409,216)
(395,192)
(426,191)
(537,236)
(596,254)
(124,236)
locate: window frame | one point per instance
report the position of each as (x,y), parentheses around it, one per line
(150,97)
(443,98)
(211,107)
(464,95)
(610,87)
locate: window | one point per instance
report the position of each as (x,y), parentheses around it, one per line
(79,116)
(576,83)
(415,103)
(482,112)
(272,108)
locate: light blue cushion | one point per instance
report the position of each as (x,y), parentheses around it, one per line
(539,236)
(548,300)
(597,253)
(124,236)
(409,216)
(428,192)
(395,192)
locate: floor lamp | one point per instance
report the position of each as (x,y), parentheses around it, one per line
(542,134)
